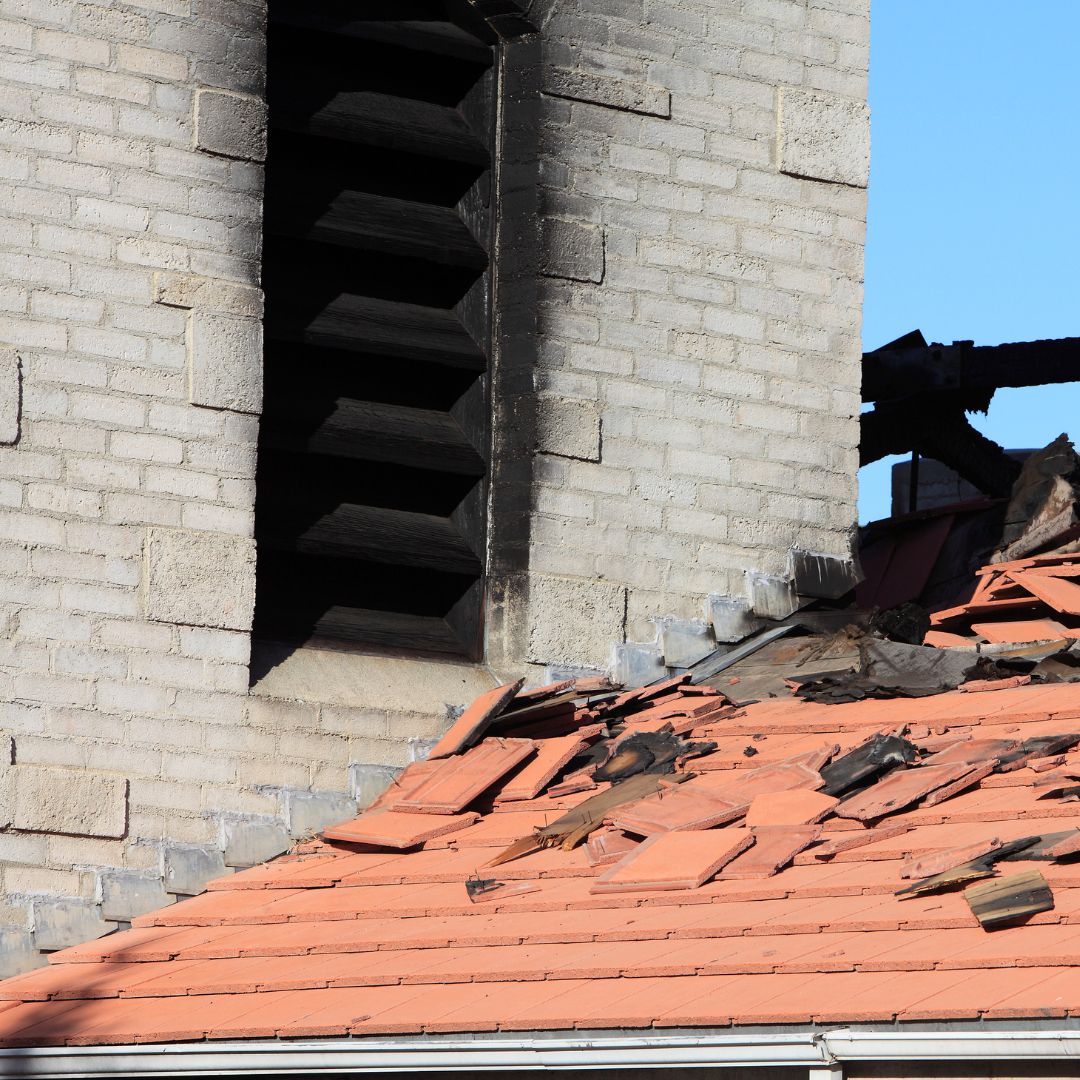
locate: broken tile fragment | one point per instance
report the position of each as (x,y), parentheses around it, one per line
(606,846)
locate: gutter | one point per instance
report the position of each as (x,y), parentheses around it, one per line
(421,1055)
(823,1054)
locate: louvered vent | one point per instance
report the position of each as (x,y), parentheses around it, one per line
(372,473)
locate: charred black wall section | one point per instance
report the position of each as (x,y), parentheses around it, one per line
(371,492)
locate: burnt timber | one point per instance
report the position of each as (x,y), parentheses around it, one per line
(922,393)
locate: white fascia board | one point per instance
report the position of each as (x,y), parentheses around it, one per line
(815,1051)
(856,1044)
(381,1056)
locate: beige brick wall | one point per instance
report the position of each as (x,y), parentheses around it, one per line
(676,387)
(713,158)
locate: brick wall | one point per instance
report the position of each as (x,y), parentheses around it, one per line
(675,393)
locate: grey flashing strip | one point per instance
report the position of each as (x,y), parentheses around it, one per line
(719,661)
(820,1052)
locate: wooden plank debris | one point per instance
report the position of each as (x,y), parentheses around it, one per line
(1007,900)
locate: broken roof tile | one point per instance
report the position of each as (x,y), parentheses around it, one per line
(1058,593)
(608,845)
(552,755)
(684,807)
(1006,632)
(980,686)
(942,639)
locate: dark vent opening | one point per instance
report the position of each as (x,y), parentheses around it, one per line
(371,485)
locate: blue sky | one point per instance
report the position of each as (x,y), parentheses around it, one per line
(974,220)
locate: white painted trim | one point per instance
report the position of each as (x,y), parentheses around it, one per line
(420,1055)
(822,1054)
(855,1044)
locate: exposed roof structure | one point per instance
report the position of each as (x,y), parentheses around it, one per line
(777,904)
(922,392)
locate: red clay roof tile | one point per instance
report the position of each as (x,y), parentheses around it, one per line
(458,780)
(798,807)
(552,755)
(472,723)
(674,860)
(1055,592)
(900,789)
(1006,632)
(389,828)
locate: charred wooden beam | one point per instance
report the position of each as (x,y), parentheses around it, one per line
(905,368)
(944,434)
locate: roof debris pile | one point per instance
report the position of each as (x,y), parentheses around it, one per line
(1035,600)
(930,556)
(675,855)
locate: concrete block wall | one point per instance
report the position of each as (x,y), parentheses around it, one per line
(676,395)
(698,169)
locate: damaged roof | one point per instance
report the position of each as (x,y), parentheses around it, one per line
(658,858)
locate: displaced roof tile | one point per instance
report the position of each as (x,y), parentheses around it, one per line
(389,828)
(458,780)
(798,807)
(474,720)
(898,790)
(674,860)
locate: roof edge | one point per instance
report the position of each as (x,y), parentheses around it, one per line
(810,1049)
(424,1054)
